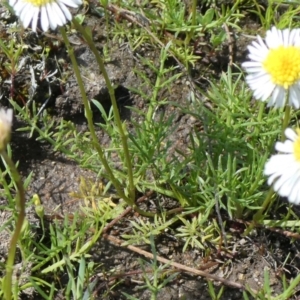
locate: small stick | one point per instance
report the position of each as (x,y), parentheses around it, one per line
(176,265)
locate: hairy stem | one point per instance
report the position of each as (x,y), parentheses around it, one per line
(7,283)
(117,118)
(89,117)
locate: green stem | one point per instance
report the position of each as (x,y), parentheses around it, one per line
(194,12)
(7,282)
(117,118)
(258,216)
(286,121)
(129,200)
(260,116)
(190,33)
(153,101)
(89,117)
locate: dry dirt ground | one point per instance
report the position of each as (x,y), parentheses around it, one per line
(54,176)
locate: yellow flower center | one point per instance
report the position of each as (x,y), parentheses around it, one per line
(283,64)
(297,146)
(39,3)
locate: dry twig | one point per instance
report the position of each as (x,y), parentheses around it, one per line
(176,265)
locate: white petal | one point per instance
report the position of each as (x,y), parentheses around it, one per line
(296,39)
(285,147)
(71,3)
(35,19)
(65,11)
(12,2)
(294,35)
(51,17)
(294,96)
(283,170)
(20,6)
(286,176)
(288,187)
(26,16)
(274,38)
(261,84)
(271,165)
(6,116)
(252,64)
(291,134)
(258,70)
(258,80)
(256,53)
(278,97)
(60,17)
(44,19)
(294,196)
(278,163)
(286,36)
(255,57)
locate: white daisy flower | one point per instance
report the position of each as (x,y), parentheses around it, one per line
(6,118)
(52,13)
(274,69)
(283,168)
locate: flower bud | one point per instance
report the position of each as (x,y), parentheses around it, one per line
(6,117)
